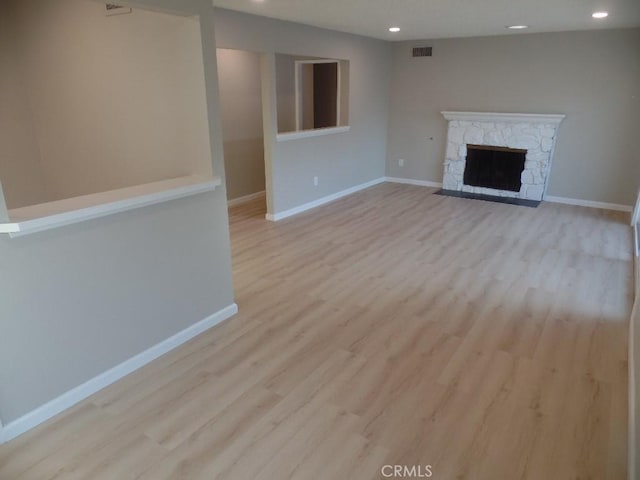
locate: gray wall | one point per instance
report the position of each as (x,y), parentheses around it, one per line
(81,299)
(592,77)
(241,103)
(78,300)
(342,160)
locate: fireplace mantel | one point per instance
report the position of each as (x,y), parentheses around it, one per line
(553,119)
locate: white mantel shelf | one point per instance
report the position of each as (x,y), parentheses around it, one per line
(45,216)
(553,119)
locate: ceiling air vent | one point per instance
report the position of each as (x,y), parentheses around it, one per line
(422,51)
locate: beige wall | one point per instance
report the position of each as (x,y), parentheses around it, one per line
(20,167)
(81,299)
(116,101)
(592,77)
(241,104)
(286,92)
(342,160)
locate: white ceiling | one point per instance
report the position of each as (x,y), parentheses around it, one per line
(427,19)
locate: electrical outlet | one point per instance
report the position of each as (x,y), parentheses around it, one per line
(315,181)
(401,162)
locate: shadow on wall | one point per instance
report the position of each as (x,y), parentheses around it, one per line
(239,74)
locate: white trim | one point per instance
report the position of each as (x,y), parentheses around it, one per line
(246,199)
(338,93)
(587,203)
(321,201)
(635,217)
(633,423)
(318,132)
(4,212)
(553,118)
(46,216)
(81,392)
(411,181)
(298,94)
(548,198)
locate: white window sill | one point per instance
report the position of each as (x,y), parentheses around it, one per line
(45,216)
(318,132)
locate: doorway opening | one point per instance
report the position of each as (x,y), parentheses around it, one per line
(240,84)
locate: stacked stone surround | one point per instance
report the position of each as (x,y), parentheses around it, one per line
(532,132)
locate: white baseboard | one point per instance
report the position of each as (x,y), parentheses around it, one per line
(411,181)
(633,432)
(246,199)
(587,203)
(81,392)
(428,183)
(548,198)
(634,422)
(321,201)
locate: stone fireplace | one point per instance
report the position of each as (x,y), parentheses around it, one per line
(497,146)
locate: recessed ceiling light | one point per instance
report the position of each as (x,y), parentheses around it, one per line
(517,27)
(600,15)
(394,29)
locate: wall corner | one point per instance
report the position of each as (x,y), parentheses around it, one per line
(4,217)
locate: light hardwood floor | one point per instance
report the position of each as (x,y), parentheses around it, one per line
(391,327)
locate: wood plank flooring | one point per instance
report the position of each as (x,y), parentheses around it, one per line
(393,326)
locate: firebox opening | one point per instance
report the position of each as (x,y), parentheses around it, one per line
(494,167)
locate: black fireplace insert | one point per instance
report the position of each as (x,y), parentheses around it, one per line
(494,167)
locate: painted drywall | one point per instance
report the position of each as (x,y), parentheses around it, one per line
(592,77)
(286,92)
(70,313)
(20,167)
(116,101)
(340,161)
(242,131)
(81,299)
